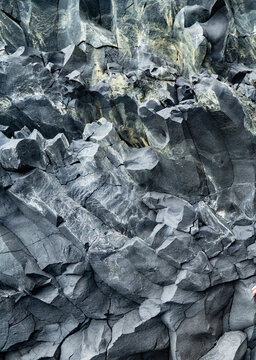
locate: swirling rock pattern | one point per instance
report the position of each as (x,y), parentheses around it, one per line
(127,180)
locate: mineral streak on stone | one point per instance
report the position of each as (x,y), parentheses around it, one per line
(127,179)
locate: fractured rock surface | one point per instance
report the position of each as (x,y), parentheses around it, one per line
(127,180)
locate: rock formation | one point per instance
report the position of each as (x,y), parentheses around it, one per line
(127,179)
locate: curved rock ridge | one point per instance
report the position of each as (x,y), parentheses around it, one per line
(127,180)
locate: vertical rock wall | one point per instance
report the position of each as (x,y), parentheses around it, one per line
(127,180)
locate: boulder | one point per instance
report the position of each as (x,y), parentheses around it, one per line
(21,154)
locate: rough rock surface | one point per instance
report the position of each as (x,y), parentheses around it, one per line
(127,179)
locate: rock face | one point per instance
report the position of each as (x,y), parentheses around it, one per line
(232,345)
(127,180)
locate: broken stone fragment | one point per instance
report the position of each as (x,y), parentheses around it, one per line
(5,179)
(184,90)
(12,35)
(177,249)
(174,316)
(101,132)
(110,265)
(203,317)
(171,113)
(23,133)
(224,270)
(245,269)
(142,164)
(88,344)
(156,127)
(21,155)
(133,334)
(191,41)
(146,261)
(189,280)
(174,294)
(251,249)
(20,332)
(57,149)
(36,352)
(232,345)
(243,307)
(199,264)
(141,159)
(215,30)
(177,216)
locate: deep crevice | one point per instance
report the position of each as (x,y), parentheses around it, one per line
(18,22)
(217,6)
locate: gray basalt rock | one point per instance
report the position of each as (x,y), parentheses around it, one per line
(56,149)
(146,261)
(89,344)
(21,154)
(177,249)
(243,306)
(127,180)
(129,332)
(201,323)
(232,344)
(189,280)
(38,352)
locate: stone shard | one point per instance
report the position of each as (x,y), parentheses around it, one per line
(146,261)
(88,344)
(188,280)
(232,344)
(109,265)
(177,249)
(201,323)
(172,211)
(21,154)
(38,352)
(142,164)
(243,304)
(56,149)
(133,334)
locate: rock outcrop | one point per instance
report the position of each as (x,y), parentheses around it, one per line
(127,180)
